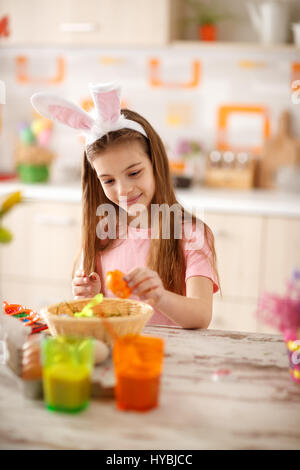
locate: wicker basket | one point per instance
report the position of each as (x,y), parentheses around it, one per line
(116,317)
(33,155)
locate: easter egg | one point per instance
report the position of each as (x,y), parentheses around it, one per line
(22,125)
(116,283)
(101,352)
(44,137)
(48,124)
(37,126)
(31,363)
(27,136)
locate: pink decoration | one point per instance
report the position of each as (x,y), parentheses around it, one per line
(279,312)
(283,313)
(43,137)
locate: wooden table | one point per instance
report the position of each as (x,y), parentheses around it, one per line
(256,407)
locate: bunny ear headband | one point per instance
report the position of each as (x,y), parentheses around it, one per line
(106,118)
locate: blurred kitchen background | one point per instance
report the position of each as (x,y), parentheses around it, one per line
(220,82)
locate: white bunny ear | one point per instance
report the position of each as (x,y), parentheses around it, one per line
(58,109)
(107,101)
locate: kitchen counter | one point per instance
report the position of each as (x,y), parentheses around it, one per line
(69,192)
(256,407)
(252,202)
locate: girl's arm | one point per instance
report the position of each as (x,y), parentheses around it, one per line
(191,311)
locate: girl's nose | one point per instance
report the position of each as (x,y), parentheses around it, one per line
(124,189)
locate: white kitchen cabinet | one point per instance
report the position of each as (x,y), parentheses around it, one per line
(46,241)
(56,233)
(91,22)
(241,242)
(233,315)
(15,256)
(281,252)
(238,243)
(263,328)
(33,21)
(255,254)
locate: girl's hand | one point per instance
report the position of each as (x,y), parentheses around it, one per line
(85,286)
(146,284)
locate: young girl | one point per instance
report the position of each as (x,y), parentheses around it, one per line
(125,168)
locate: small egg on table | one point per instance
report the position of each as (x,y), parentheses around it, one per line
(101,352)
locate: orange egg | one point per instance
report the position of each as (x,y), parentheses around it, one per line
(116,283)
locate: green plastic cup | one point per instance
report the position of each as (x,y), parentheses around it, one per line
(67,366)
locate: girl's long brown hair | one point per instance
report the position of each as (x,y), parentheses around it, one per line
(165,255)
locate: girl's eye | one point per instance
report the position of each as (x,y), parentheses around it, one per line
(135,173)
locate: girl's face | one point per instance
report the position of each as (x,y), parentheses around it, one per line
(126,175)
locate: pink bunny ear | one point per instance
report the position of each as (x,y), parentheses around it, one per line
(61,110)
(107,101)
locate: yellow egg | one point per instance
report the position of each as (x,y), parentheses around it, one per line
(37,126)
(292,346)
(296,373)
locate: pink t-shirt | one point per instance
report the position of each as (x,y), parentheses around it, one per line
(132,252)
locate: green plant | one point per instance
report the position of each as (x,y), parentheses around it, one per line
(204,14)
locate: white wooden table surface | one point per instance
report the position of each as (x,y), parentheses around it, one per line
(257,407)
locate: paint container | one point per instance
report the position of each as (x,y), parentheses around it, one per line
(67,366)
(138,367)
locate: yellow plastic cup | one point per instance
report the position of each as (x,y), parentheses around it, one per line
(67,366)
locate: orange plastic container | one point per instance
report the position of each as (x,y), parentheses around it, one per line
(138,367)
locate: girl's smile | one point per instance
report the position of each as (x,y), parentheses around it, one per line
(133,200)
